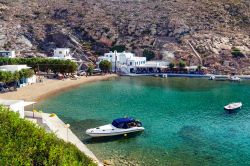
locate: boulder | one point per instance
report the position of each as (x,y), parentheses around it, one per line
(107,162)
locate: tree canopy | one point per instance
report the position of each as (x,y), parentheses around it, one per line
(148,54)
(118,48)
(105,66)
(237,53)
(182,64)
(90,69)
(7,76)
(43,64)
(171,66)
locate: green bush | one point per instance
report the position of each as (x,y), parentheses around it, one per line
(118,48)
(237,53)
(148,54)
(23,143)
(105,66)
(90,69)
(182,64)
(171,66)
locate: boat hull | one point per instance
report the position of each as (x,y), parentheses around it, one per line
(232,110)
(233,107)
(114,132)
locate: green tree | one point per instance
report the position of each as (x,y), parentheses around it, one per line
(7,76)
(16,76)
(118,48)
(105,66)
(182,64)
(199,68)
(43,64)
(90,69)
(148,54)
(26,73)
(171,65)
(237,53)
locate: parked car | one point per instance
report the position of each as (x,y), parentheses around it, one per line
(96,71)
(3,87)
(74,77)
(81,73)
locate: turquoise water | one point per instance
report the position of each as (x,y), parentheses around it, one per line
(184,120)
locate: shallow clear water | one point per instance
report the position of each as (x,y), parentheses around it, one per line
(184,120)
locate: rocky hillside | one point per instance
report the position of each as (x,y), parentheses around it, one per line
(197,31)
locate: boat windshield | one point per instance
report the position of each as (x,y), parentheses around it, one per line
(124,123)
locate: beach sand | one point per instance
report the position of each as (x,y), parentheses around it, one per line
(49,87)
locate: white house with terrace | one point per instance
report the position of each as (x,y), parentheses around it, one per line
(7,54)
(123,62)
(127,63)
(62,54)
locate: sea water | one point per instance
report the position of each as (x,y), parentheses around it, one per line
(184,120)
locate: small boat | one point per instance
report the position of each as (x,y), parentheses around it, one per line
(233,106)
(234,78)
(119,126)
(212,77)
(164,75)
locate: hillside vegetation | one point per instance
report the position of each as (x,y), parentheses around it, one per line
(167,27)
(23,143)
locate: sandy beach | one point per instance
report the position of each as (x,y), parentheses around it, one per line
(50,87)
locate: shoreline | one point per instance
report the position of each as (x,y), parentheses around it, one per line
(179,75)
(50,87)
(57,126)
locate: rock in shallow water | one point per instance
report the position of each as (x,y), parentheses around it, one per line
(107,162)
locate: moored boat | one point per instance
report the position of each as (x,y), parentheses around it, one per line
(164,75)
(234,78)
(119,126)
(212,77)
(233,106)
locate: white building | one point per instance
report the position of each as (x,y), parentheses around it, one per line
(123,62)
(62,54)
(151,67)
(13,68)
(23,81)
(14,105)
(7,54)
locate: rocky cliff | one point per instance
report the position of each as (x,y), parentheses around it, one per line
(199,32)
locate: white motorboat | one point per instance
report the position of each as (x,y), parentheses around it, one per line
(212,77)
(118,127)
(164,75)
(233,106)
(234,78)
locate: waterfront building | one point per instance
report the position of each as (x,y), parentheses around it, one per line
(124,62)
(62,54)
(23,81)
(194,69)
(14,105)
(128,63)
(153,67)
(7,54)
